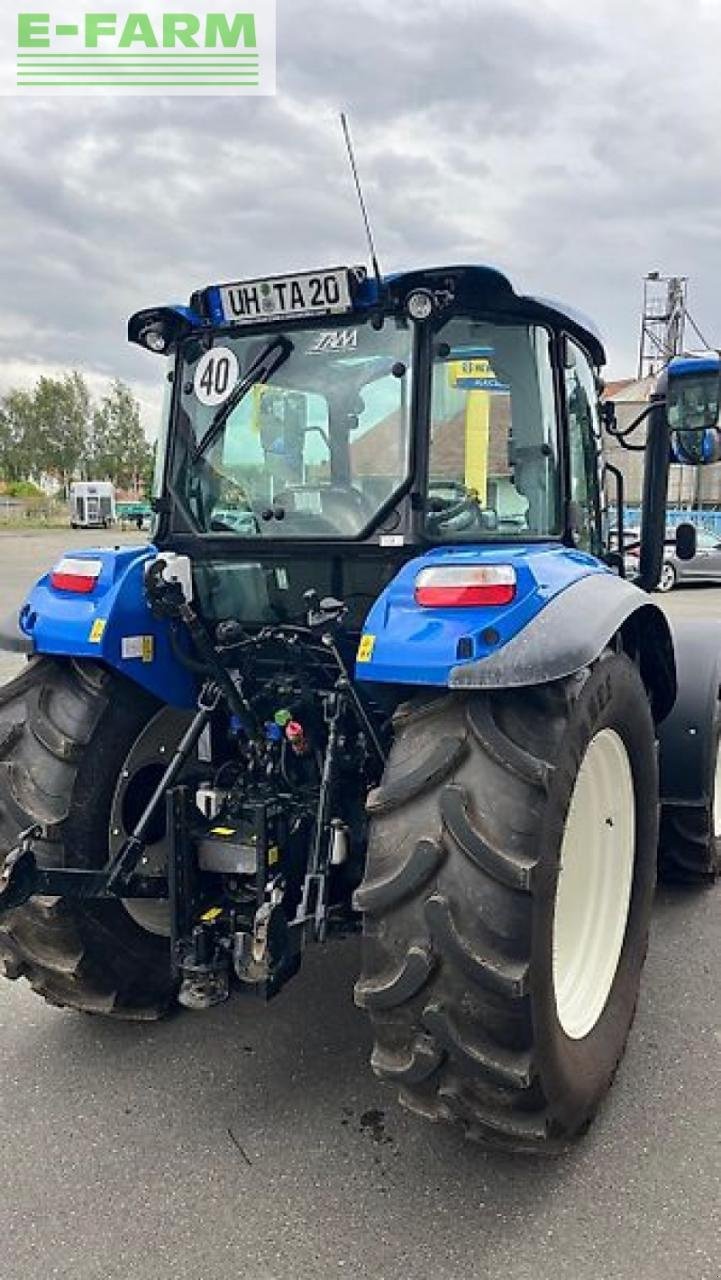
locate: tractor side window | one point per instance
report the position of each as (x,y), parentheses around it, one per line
(584,436)
(493,459)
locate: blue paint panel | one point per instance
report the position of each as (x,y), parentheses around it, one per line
(418,646)
(61,622)
(688,366)
(214,305)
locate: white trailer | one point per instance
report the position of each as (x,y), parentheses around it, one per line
(92,504)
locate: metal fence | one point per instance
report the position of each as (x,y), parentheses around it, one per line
(709,520)
(37,510)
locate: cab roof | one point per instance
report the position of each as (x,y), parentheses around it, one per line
(472,286)
(485,286)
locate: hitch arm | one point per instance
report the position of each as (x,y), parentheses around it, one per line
(21,878)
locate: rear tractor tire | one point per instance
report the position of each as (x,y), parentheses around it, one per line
(507,900)
(67,730)
(689,850)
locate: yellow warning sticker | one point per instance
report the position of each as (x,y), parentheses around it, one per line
(97,631)
(211,914)
(222,831)
(273,855)
(365,648)
(148,649)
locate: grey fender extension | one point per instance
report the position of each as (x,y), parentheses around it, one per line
(571,631)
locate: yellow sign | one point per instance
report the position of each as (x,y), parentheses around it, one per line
(478,427)
(365,648)
(97,631)
(148,649)
(477,377)
(480,369)
(211,914)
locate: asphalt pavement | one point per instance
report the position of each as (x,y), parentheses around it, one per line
(253,1141)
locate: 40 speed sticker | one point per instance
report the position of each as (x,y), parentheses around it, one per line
(215,376)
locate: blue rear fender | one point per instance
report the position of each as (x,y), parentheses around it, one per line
(112,624)
(406,643)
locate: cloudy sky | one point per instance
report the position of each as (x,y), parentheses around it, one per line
(577,146)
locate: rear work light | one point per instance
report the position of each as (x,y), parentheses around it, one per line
(76,575)
(454,585)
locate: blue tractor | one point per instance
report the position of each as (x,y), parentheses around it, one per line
(380,667)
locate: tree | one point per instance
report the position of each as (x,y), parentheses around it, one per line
(19,453)
(60,422)
(119,450)
(146,479)
(55,430)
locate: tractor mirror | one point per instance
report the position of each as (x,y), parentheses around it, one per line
(696,448)
(685,541)
(693,402)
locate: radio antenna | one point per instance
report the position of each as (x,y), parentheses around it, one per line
(361,201)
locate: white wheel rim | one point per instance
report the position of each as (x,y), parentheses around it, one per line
(717,795)
(593,892)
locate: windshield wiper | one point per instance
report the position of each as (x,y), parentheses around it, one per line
(266,363)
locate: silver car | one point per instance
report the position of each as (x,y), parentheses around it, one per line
(705,566)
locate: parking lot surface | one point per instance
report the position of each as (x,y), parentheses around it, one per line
(253,1141)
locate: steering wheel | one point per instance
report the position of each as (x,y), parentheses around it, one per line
(456,516)
(346,508)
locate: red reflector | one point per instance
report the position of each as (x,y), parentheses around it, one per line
(76,575)
(71,582)
(449,596)
(455,585)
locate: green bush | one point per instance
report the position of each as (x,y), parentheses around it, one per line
(21,489)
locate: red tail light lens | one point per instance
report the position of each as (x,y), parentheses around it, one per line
(456,585)
(76,575)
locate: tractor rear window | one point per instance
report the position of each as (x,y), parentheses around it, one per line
(493,463)
(312,448)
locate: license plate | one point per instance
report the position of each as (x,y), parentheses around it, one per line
(315,293)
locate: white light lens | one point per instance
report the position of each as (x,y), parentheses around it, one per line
(154,340)
(419,305)
(458,585)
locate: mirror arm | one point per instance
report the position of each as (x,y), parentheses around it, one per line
(620,503)
(655,489)
(622,435)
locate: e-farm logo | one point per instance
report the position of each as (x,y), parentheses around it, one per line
(152,51)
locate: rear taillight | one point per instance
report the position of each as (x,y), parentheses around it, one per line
(77,575)
(456,585)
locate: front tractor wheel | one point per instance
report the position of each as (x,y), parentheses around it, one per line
(507,901)
(80,749)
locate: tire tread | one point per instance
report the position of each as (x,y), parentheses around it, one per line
(67,953)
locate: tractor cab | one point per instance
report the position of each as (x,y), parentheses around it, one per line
(329,426)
